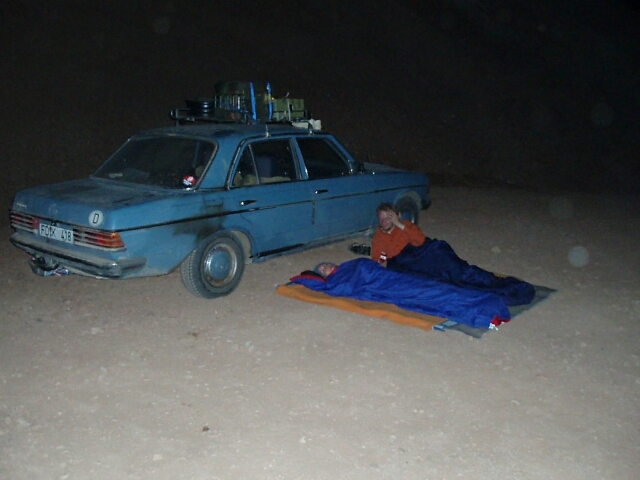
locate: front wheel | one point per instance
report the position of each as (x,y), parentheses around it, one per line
(408,209)
(215,268)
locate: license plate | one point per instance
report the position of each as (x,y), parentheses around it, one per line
(56,233)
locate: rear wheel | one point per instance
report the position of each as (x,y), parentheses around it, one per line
(215,268)
(408,209)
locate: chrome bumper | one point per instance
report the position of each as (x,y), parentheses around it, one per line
(76,262)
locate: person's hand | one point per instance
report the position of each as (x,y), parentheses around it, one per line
(395,219)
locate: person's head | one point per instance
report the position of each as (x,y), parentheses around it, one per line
(325,268)
(384,211)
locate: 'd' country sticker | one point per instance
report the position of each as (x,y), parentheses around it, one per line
(96,218)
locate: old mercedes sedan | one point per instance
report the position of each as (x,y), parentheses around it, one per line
(208,199)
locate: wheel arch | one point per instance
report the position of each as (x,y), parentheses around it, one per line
(245,243)
(413,199)
(412,194)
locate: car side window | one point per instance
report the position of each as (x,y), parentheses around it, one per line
(321,159)
(268,161)
(246,171)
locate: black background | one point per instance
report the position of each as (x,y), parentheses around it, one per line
(532,94)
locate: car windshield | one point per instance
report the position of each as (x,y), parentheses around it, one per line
(169,162)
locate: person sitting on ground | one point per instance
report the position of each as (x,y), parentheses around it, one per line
(403,247)
(393,234)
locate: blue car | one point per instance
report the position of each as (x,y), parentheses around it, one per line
(208,198)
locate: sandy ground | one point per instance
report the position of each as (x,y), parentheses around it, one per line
(137,379)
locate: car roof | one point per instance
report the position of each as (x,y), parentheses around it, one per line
(217,130)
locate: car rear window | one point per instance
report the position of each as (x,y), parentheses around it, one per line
(169,162)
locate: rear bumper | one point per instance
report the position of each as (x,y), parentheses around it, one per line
(80,263)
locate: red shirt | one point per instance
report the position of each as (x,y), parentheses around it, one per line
(393,242)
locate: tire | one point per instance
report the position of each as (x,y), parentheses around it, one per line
(215,268)
(408,209)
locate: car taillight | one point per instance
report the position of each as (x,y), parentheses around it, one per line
(22,221)
(97,239)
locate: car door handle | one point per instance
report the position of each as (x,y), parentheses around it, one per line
(318,192)
(244,203)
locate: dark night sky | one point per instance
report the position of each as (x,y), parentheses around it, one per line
(513,92)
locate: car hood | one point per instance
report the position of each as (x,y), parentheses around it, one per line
(120,206)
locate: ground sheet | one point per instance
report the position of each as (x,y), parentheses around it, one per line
(396,314)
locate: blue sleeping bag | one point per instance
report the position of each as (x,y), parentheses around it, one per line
(436,260)
(364,279)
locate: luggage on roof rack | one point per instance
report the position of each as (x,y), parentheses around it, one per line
(242,102)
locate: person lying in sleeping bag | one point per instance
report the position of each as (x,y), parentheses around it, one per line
(364,279)
(401,246)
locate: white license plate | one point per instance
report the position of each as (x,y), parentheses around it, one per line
(57,233)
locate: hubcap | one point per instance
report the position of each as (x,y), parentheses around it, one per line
(220,265)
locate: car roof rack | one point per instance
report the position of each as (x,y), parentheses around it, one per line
(245,103)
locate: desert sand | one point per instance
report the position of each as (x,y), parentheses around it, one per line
(137,379)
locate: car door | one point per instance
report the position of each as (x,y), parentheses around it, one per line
(272,204)
(344,201)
